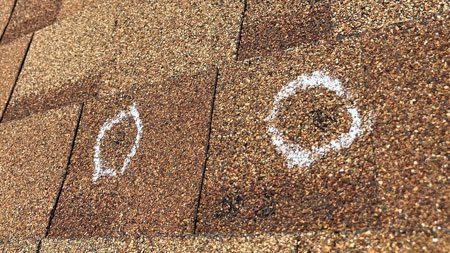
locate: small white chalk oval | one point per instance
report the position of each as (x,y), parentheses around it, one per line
(101,170)
(296,155)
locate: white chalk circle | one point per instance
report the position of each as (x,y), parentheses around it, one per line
(297,155)
(101,170)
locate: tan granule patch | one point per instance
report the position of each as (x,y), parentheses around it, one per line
(65,61)
(250,243)
(5,12)
(188,243)
(374,241)
(17,245)
(355,15)
(102,48)
(160,39)
(100,245)
(70,8)
(33,158)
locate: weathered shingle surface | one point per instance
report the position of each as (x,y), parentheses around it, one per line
(168,124)
(12,57)
(33,160)
(224,125)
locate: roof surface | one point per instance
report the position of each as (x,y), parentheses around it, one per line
(236,125)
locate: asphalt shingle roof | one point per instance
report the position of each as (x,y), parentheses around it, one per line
(210,126)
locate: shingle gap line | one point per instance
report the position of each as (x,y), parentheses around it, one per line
(9,20)
(55,204)
(22,63)
(207,146)
(241,27)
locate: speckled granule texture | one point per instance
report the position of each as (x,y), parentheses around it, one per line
(5,12)
(274,26)
(350,16)
(100,245)
(30,16)
(250,243)
(112,46)
(375,241)
(33,158)
(200,243)
(11,56)
(158,191)
(407,72)
(248,185)
(70,8)
(65,61)
(157,39)
(21,246)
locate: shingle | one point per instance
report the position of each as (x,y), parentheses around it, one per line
(76,57)
(199,243)
(18,246)
(90,245)
(274,26)
(407,70)
(374,241)
(166,124)
(33,159)
(159,39)
(10,59)
(65,62)
(250,186)
(249,243)
(30,16)
(352,16)
(5,12)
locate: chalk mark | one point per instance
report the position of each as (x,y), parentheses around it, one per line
(295,154)
(101,170)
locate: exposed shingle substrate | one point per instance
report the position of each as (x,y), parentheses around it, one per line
(350,16)
(5,12)
(156,190)
(30,16)
(249,186)
(33,158)
(65,61)
(274,26)
(407,75)
(159,39)
(11,56)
